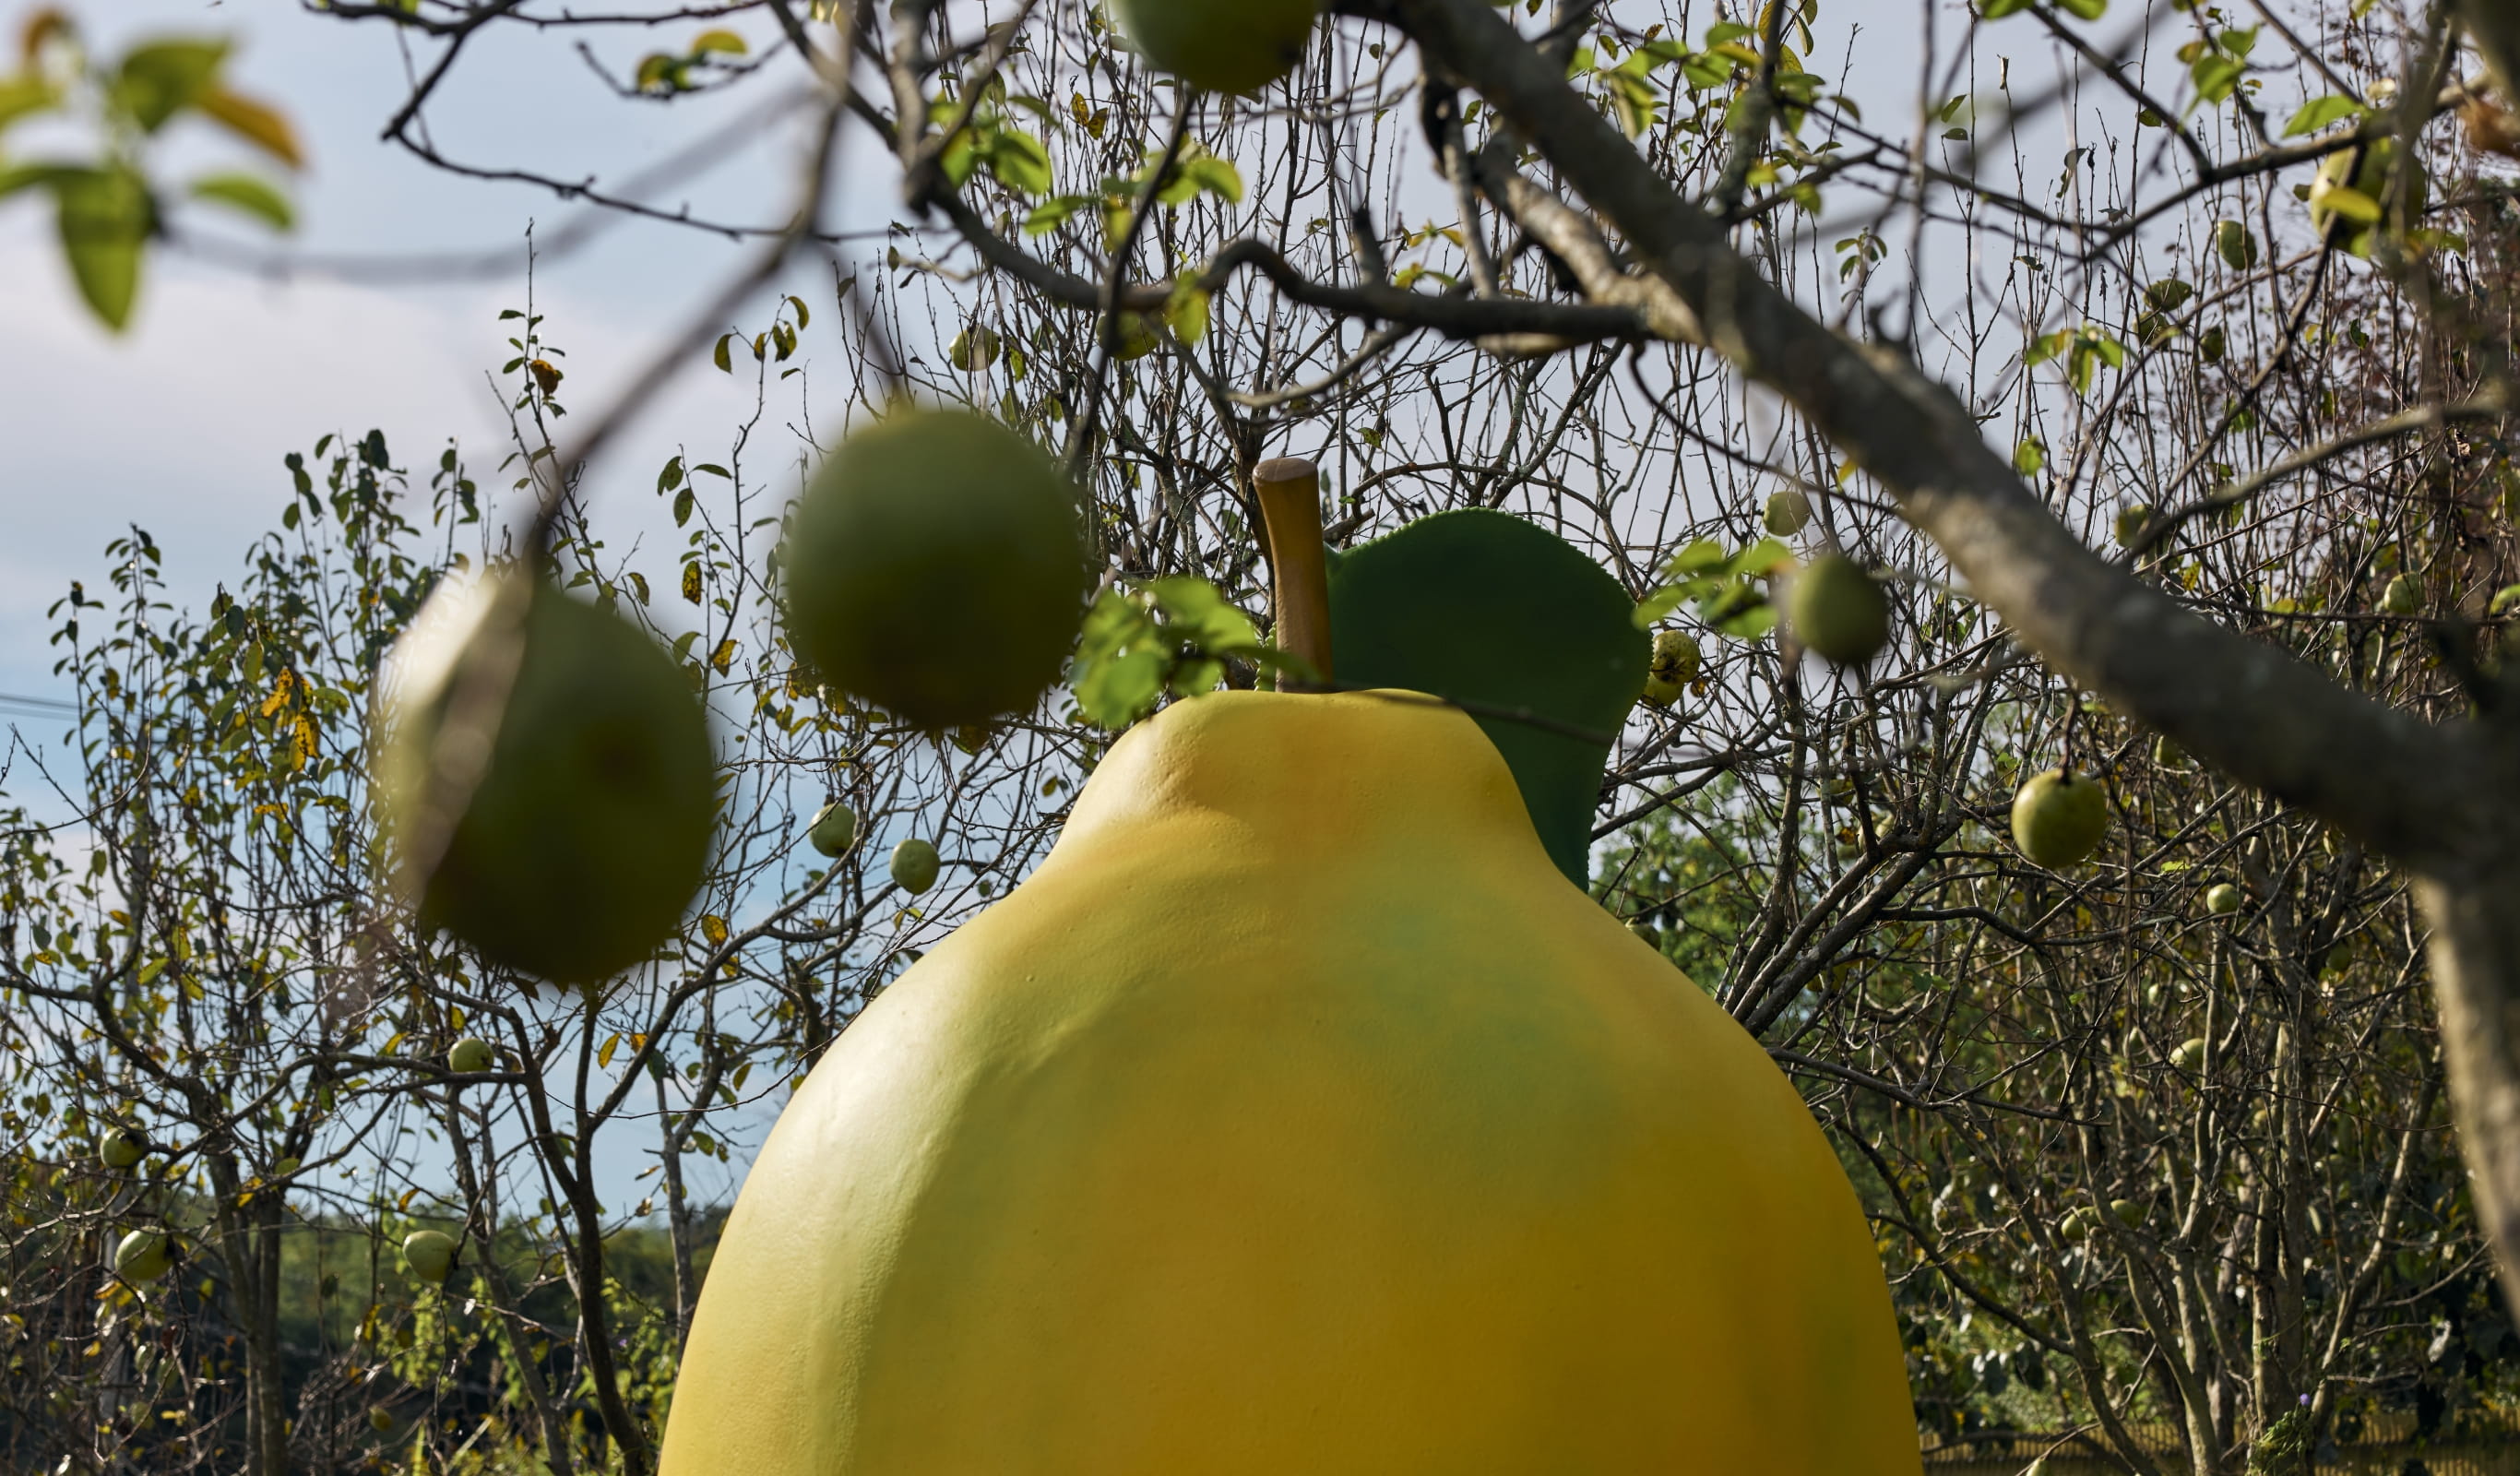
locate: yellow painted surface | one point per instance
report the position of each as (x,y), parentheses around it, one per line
(1296,1116)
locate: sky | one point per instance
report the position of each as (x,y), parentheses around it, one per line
(179,425)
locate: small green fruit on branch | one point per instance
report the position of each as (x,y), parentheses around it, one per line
(2059,818)
(914,866)
(431,1255)
(144,1255)
(1834,608)
(835,826)
(1676,661)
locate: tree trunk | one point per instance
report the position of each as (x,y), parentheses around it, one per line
(678,1220)
(2476,982)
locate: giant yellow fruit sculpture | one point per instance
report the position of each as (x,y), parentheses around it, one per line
(1296,1116)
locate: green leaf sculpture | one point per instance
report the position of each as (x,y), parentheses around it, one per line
(1512,623)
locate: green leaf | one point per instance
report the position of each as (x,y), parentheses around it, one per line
(1121,662)
(1052,214)
(2352,203)
(713,42)
(1764,557)
(22,95)
(1482,608)
(2030,455)
(163,79)
(1201,614)
(2084,9)
(254,197)
(2318,113)
(1020,162)
(1651,608)
(2216,75)
(106,217)
(1997,10)
(1216,176)
(1698,557)
(1187,309)
(719,355)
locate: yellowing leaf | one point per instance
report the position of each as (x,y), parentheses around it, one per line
(713,928)
(258,123)
(691,582)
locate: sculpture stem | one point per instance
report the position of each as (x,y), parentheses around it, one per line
(1290,492)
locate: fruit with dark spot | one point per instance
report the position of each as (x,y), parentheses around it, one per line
(431,1254)
(835,826)
(144,1256)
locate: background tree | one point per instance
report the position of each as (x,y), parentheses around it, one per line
(1630,271)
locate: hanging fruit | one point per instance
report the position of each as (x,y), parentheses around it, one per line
(572,819)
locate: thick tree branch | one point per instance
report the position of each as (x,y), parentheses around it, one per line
(2405,787)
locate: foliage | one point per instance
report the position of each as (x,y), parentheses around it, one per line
(107,204)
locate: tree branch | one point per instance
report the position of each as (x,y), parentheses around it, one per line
(2405,787)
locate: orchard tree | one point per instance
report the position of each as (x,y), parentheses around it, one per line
(2159,390)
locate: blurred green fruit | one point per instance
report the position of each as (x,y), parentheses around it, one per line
(2167,755)
(2130,521)
(2224,899)
(472,1054)
(144,1256)
(1676,663)
(936,568)
(2353,200)
(1219,45)
(1788,513)
(2403,596)
(1138,338)
(381,1420)
(1834,608)
(2129,1212)
(589,829)
(2190,1055)
(120,1149)
(835,826)
(974,350)
(2057,818)
(431,1255)
(2236,244)
(914,866)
